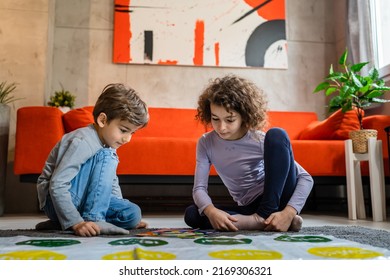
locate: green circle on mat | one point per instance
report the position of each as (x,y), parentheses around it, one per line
(49,242)
(304,238)
(223,241)
(141,241)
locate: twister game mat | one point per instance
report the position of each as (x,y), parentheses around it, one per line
(186,244)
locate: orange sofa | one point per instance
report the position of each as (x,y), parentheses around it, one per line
(166,147)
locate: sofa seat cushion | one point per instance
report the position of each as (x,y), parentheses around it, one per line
(336,127)
(322,158)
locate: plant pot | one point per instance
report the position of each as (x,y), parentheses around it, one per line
(64,109)
(360,139)
(4,134)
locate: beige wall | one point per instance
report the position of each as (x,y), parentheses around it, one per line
(47,42)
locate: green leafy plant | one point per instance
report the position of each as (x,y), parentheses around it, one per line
(6,91)
(62,98)
(351,90)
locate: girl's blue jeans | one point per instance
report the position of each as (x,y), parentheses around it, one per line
(279,185)
(91,192)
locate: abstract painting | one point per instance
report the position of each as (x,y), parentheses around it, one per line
(218,33)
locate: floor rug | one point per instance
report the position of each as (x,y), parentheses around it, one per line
(311,243)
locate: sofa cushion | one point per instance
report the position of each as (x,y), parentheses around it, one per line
(172,122)
(379,123)
(77,118)
(292,122)
(321,158)
(39,128)
(336,127)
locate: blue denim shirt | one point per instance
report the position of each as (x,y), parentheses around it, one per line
(62,165)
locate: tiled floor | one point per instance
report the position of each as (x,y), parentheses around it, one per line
(176,221)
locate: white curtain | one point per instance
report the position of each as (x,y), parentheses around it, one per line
(359,39)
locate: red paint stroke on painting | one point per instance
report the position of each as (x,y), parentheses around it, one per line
(216,53)
(274,9)
(167,62)
(198,43)
(122,32)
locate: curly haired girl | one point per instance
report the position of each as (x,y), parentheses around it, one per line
(258,168)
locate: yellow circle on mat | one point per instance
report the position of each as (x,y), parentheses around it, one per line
(128,255)
(344,253)
(140,254)
(32,255)
(242,254)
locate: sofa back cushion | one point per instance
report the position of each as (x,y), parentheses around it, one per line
(164,122)
(336,127)
(77,118)
(172,122)
(292,122)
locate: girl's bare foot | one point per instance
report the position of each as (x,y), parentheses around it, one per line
(296,224)
(249,222)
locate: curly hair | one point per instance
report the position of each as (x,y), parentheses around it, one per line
(234,94)
(120,102)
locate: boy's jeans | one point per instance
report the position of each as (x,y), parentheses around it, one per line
(91,192)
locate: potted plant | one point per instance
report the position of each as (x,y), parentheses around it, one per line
(63,99)
(6,90)
(352,91)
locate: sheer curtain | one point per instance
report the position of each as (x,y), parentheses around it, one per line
(359,33)
(359,44)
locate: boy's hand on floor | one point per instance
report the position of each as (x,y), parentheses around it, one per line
(86,229)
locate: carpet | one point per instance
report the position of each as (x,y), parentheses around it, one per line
(327,242)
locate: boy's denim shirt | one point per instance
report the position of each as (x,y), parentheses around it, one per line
(62,165)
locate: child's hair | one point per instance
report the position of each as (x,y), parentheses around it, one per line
(120,102)
(237,94)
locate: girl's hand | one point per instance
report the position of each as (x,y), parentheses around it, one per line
(86,229)
(220,220)
(280,221)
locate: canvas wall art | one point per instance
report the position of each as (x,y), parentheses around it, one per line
(219,33)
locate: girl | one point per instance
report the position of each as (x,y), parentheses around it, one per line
(257,168)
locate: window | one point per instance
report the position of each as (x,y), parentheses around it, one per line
(380,19)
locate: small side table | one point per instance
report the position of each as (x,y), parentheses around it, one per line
(356,209)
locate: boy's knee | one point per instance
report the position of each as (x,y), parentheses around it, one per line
(132,216)
(108,155)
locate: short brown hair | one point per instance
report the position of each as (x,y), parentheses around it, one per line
(118,101)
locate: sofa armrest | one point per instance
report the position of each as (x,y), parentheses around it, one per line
(379,123)
(38,129)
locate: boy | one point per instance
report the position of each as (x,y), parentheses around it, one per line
(78,188)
